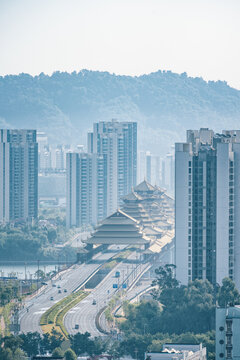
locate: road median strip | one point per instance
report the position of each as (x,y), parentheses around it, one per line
(116,259)
(53,317)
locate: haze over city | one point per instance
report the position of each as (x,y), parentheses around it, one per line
(123,37)
(119,180)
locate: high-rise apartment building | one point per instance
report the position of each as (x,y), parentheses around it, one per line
(141,166)
(86,188)
(148,166)
(18,175)
(44,152)
(157,170)
(59,158)
(118,141)
(45,164)
(207,195)
(168,172)
(42,140)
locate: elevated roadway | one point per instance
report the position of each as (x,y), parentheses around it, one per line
(70,280)
(85,312)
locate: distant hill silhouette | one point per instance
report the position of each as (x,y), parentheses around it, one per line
(165,104)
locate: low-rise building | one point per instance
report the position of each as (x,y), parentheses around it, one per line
(179,352)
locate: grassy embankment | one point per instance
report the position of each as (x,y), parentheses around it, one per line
(53,317)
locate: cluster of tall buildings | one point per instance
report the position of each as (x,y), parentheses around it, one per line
(103,179)
(51,158)
(98,179)
(207,210)
(52,170)
(156,170)
(207,191)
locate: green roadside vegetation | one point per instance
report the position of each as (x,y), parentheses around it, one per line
(10,299)
(9,293)
(111,307)
(23,345)
(53,317)
(8,290)
(177,313)
(6,313)
(25,242)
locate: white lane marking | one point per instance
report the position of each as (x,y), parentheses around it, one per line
(39,312)
(83,302)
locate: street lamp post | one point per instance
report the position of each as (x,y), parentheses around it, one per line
(38,275)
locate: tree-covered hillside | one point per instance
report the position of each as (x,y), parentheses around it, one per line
(165,104)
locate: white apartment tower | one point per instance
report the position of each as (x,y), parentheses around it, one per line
(168,172)
(59,158)
(148,167)
(207,210)
(18,175)
(86,188)
(118,141)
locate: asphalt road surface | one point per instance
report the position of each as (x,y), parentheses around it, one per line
(85,312)
(69,280)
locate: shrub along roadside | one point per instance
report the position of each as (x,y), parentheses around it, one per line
(5,313)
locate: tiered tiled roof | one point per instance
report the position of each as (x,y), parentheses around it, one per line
(157,205)
(143,187)
(146,215)
(132,205)
(119,228)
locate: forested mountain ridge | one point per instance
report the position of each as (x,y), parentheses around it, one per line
(165,104)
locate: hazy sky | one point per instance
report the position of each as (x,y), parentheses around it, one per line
(201,37)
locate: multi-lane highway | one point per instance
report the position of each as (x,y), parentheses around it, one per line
(68,281)
(84,313)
